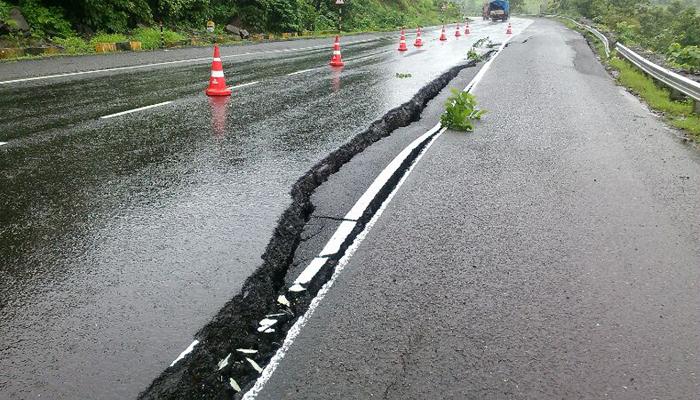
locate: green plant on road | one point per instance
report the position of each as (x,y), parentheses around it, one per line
(461,112)
(473,55)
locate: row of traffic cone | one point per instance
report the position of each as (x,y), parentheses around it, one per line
(217,82)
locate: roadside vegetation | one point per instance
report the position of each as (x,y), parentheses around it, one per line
(670,29)
(76,25)
(678,113)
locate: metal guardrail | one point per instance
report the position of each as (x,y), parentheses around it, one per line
(596,33)
(671,79)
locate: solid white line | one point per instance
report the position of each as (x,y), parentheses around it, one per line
(299,324)
(301,72)
(338,238)
(189,60)
(311,271)
(187,351)
(363,202)
(243,85)
(135,110)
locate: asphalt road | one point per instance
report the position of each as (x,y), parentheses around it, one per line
(121,237)
(553,253)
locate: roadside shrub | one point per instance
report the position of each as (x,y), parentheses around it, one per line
(685,57)
(45,21)
(461,111)
(150,37)
(73,45)
(4,11)
(102,37)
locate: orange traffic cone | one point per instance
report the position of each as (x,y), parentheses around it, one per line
(466,29)
(402,42)
(510,29)
(337,59)
(443,37)
(419,40)
(457,32)
(217,82)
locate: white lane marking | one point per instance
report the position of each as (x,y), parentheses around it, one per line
(243,85)
(311,270)
(361,205)
(301,322)
(135,110)
(302,71)
(189,60)
(338,238)
(187,351)
(3,143)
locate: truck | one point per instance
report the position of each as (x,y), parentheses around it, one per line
(499,10)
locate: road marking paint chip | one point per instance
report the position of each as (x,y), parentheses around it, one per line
(187,351)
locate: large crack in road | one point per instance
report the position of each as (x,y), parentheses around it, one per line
(216,367)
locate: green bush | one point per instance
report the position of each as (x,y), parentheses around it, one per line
(150,37)
(45,21)
(102,37)
(4,10)
(685,57)
(73,45)
(461,111)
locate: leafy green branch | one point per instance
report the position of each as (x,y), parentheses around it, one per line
(461,111)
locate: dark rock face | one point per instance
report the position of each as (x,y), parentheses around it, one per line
(19,21)
(231,28)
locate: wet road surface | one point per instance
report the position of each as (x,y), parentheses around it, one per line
(121,237)
(553,253)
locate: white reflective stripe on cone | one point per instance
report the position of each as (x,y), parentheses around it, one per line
(336,53)
(217,74)
(217,59)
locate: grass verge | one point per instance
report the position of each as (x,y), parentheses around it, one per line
(677,113)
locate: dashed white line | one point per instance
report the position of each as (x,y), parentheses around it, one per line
(244,85)
(301,72)
(189,60)
(135,110)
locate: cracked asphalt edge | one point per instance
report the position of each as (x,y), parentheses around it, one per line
(229,353)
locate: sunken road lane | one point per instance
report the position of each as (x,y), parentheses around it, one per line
(553,253)
(121,237)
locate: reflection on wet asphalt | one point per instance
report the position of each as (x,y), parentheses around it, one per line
(120,238)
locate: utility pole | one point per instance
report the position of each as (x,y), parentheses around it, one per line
(340,4)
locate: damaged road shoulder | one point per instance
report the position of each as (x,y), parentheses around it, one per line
(233,349)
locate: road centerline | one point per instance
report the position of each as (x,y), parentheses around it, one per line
(136,110)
